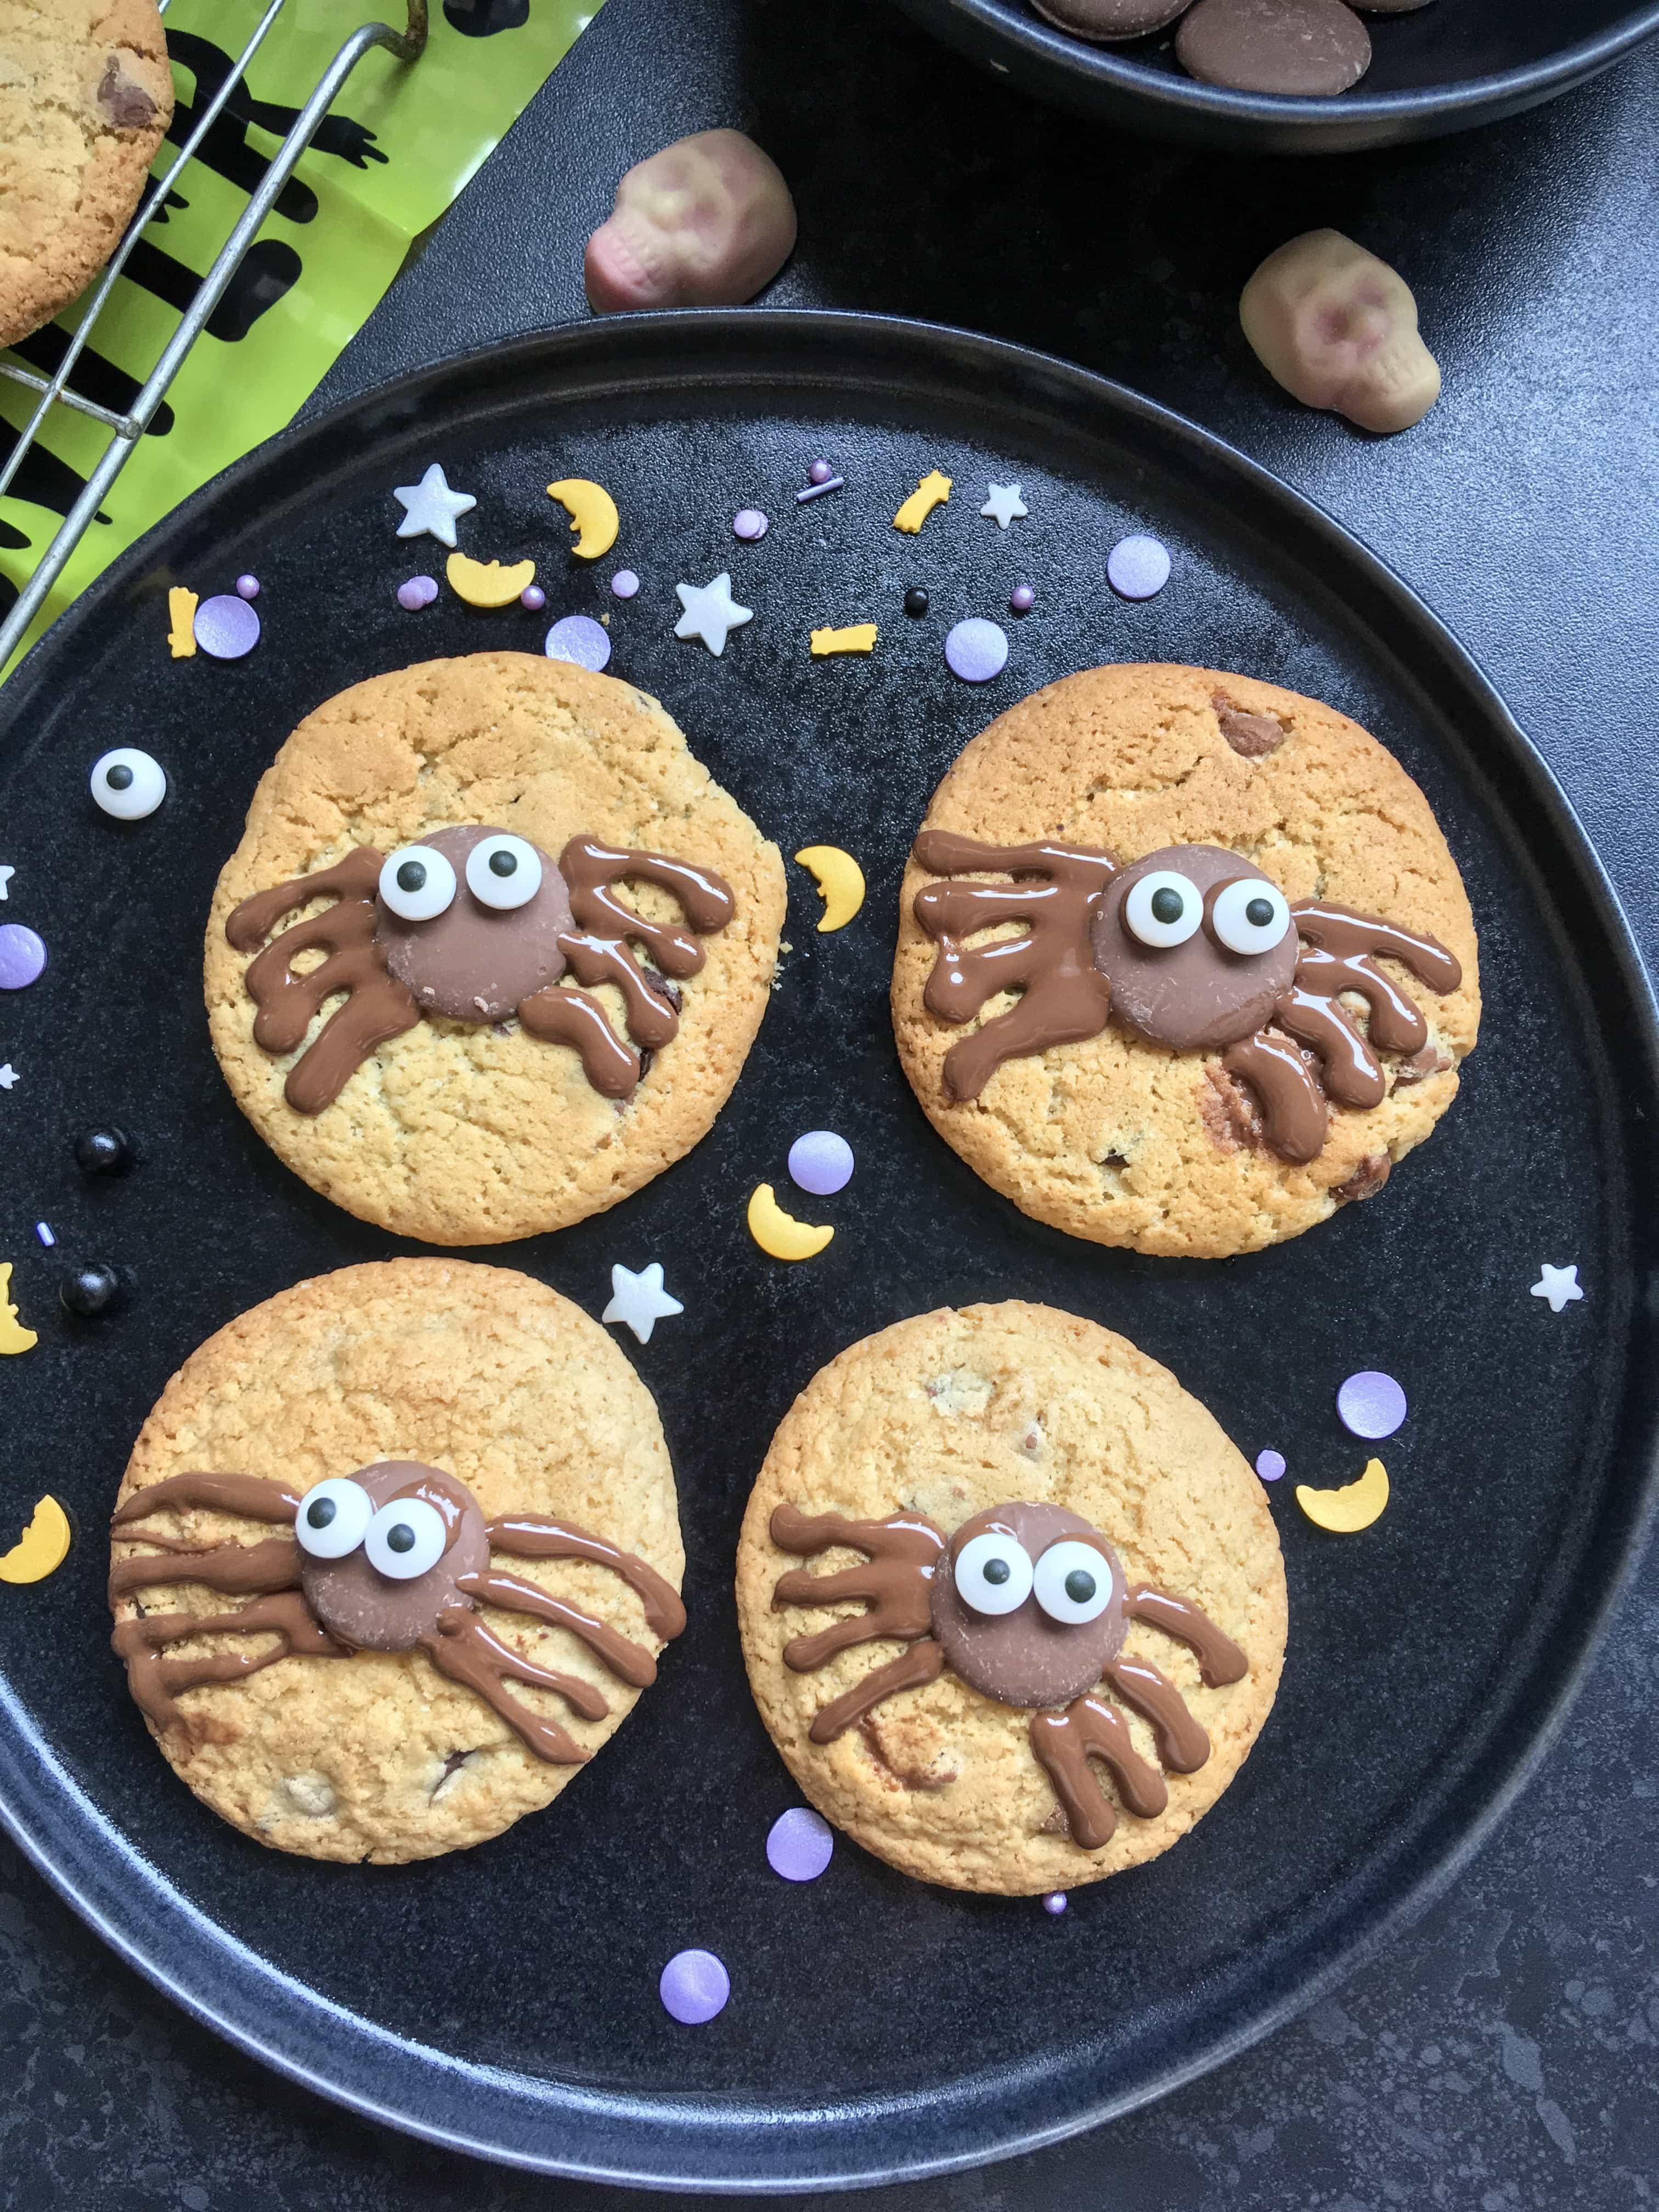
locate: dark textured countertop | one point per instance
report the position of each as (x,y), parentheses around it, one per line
(1505,2054)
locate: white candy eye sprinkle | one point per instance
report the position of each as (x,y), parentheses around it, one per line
(1251,916)
(1163,909)
(405,1538)
(992,1573)
(1073,1583)
(503,871)
(418,882)
(128,784)
(333,1518)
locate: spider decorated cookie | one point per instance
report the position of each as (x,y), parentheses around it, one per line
(395,1554)
(493,949)
(1011,1604)
(1184,963)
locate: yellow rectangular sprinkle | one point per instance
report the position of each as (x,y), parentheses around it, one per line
(181,614)
(857,637)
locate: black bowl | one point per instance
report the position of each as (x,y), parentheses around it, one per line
(1445,68)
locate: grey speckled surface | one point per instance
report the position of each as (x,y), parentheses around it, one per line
(1505,2053)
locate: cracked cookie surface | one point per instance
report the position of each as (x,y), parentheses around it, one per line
(1126,1143)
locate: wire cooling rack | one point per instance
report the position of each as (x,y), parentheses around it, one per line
(126,429)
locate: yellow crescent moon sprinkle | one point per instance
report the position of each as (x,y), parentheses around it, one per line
(780,1233)
(857,637)
(840,880)
(593,515)
(41,1548)
(486,583)
(933,491)
(1346,1511)
(14,1337)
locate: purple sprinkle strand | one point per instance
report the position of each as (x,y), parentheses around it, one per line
(578,638)
(1138,568)
(1370,1404)
(816,490)
(43,1231)
(419,592)
(976,650)
(799,1845)
(693,1987)
(1055,1902)
(1270,1465)
(227,627)
(749,523)
(22,956)
(1022,599)
(821,1163)
(533,597)
(624,583)
(248,586)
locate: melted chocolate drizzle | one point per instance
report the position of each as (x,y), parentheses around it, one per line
(249,1495)
(524,1536)
(1065,1743)
(157,1681)
(922,1663)
(464,1649)
(895,1582)
(1220,1659)
(628,1662)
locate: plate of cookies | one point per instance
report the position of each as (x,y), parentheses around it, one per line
(812,1043)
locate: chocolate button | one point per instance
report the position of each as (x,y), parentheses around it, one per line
(1102,21)
(1309,48)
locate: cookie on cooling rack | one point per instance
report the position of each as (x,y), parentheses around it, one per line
(1183,962)
(86,97)
(554,935)
(394,1555)
(1012,1605)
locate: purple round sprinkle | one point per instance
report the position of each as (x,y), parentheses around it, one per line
(748,524)
(624,583)
(1270,1465)
(798,1845)
(580,639)
(1022,599)
(1055,1902)
(227,627)
(1137,567)
(693,1987)
(976,650)
(820,472)
(419,592)
(533,597)
(1370,1404)
(821,1162)
(22,956)
(248,586)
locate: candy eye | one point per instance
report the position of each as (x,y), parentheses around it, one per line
(992,1573)
(418,882)
(128,784)
(1074,1584)
(1251,916)
(333,1518)
(1163,908)
(405,1538)
(503,871)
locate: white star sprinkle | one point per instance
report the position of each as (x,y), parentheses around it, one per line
(6,875)
(711,612)
(7,1076)
(1558,1285)
(1003,504)
(640,1301)
(430,508)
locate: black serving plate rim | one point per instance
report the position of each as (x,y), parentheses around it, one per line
(864,2141)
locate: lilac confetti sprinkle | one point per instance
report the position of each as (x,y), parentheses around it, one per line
(1022,599)
(624,583)
(816,490)
(1138,568)
(821,1163)
(1055,1902)
(578,638)
(43,1231)
(750,524)
(799,1845)
(977,650)
(419,592)
(533,597)
(22,956)
(248,586)
(1270,1465)
(820,472)
(1370,1404)
(693,1987)
(227,627)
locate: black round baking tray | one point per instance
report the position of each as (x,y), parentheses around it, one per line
(1445,68)
(504,2001)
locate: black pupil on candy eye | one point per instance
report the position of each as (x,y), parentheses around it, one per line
(402,1539)
(1167,905)
(997,1572)
(1258,913)
(503,863)
(1079,1586)
(119,777)
(411,877)
(321,1512)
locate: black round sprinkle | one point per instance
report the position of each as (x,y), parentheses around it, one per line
(321,1512)
(103,1151)
(411,877)
(91,1290)
(400,1538)
(1079,1586)
(997,1572)
(915,600)
(1258,913)
(1167,905)
(119,778)
(503,863)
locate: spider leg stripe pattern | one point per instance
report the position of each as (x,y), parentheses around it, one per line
(464,1649)
(629,1662)
(157,1682)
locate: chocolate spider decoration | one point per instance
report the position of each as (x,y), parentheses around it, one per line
(397,1557)
(475,925)
(1029,1605)
(1192,949)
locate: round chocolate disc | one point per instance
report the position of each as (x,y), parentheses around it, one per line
(1197,996)
(1105,22)
(1311,49)
(1023,1657)
(372,1612)
(475,962)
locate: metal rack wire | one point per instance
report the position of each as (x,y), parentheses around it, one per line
(126,430)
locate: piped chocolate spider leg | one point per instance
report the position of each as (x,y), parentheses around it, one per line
(157,1681)
(590,870)
(249,1495)
(528,1537)
(895,1582)
(922,1663)
(1353,1073)
(1064,1743)
(1294,1113)
(236,1570)
(1182,1744)
(1220,1659)
(628,1662)
(560,1017)
(462,1648)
